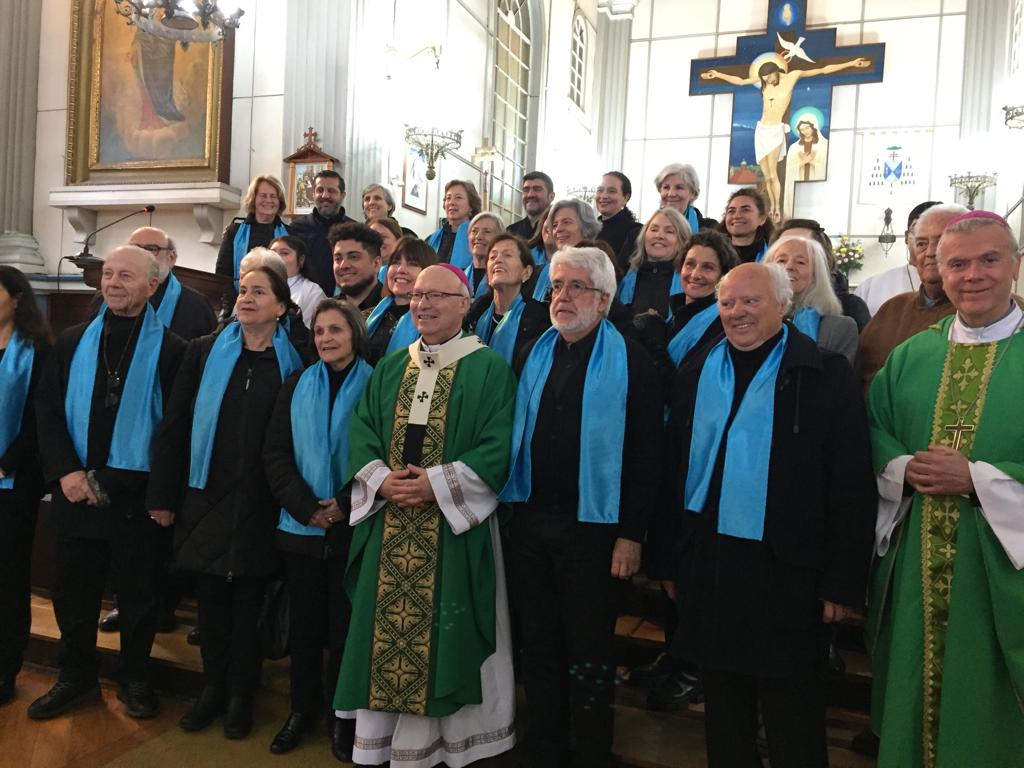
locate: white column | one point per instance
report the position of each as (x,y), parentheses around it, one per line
(19,82)
(614,26)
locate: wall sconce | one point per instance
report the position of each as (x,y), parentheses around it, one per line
(586,194)
(971,185)
(1013,117)
(887,237)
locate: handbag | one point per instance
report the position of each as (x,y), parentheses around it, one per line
(274,621)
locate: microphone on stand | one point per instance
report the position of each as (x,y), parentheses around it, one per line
(85,257)
(85,246)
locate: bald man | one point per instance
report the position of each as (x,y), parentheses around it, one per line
(430,455)
(97,406)
(185,311)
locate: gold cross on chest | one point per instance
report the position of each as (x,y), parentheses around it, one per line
(958,430)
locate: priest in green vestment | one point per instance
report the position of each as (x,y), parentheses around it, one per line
(427,670)
(946,606)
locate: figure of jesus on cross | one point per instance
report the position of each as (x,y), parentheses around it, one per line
(776,86)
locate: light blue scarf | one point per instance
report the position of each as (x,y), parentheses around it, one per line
(461,257)
(627,288)
(141,406)
(503,338)
(311,433)
(15,376)
(807,320)
(688,336)
(692,220)
(219,366)
(481,289)
(761,254)
(543,285)
(169,303)
(748,448)
(603,430)
(402,335)
(241,242)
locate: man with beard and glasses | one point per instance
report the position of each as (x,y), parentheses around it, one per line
(356,250)
(328,196)
(586,459)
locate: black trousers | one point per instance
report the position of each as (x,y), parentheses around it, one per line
(18,523)
(229,638)
(564,594)
(319,614)
(131,556)
(794,720)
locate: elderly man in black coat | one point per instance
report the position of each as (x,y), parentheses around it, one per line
(97,406)
(771,509)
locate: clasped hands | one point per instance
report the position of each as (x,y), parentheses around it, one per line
(940,471)
(409,487)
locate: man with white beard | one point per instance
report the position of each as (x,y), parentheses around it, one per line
(586,457)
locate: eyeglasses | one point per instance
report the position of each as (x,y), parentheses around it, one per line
(574,288)
(154,249)
(433,295)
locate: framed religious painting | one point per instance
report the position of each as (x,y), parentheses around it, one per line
(146,104)
(414,178)
(304,165)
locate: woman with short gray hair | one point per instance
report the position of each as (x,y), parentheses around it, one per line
(678,186)
(572,220)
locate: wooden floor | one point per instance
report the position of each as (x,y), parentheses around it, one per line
(100,734)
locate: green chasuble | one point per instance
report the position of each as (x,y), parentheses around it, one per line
(423,599)
(946,606)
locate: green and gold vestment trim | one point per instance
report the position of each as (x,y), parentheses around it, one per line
(960,402)
(407,575)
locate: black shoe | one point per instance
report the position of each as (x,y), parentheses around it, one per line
(238,717)
(343,736)
(111,622)
(288,737)
(208,707)
(139,699)
(865,743)
(62,697)
(651,675)
(675,692)
(166,622)
(193,637)
(6,689)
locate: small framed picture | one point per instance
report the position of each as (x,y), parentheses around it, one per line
(302,182)
(414,177)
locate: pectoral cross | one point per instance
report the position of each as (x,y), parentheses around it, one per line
(428,362)
(957,430)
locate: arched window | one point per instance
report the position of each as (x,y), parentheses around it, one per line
(578,62)
(509,121)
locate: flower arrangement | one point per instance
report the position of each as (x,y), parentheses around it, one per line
(849,255)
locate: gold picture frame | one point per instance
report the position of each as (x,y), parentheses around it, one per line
(142,109)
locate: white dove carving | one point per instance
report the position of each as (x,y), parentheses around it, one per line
(794,49)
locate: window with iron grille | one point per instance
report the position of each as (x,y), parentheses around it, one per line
(509,120)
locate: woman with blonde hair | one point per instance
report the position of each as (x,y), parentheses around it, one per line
(653,274)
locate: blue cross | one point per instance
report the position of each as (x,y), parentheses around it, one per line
(781,79)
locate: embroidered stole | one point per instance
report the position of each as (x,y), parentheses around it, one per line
(960,401)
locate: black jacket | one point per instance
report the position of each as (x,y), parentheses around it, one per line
(290,488)
(620,232)
(193,317)
(555,449)
(655,334)
(260,235)
(754,607)
(227,528)
(313,228)
(853,306)
(22,455)
(125,488)
(522,229)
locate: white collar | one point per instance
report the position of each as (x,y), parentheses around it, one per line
(294,280)
(997,331)
(437,347)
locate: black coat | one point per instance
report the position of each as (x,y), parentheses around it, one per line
(260,235)
(535,320)
(655,334)
(125,488)
(290,488)
(853,306)
(227,528)
(193,317)
(754,607)
(313,228)
(522,229)
(620,232)
(22,456)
